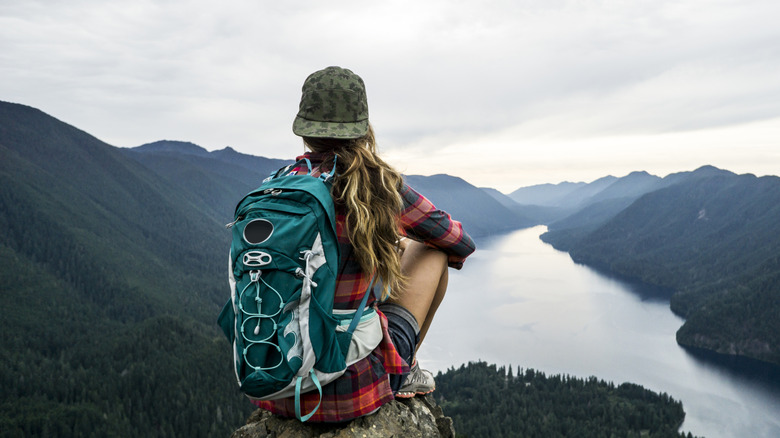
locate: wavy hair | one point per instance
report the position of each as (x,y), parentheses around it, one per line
(369,189)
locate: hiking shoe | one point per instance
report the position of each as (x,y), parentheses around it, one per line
(419,381)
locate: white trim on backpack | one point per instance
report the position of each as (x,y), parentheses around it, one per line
(314,258)
(232,282)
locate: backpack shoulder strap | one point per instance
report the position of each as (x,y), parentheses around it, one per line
(284,171)
(359,312)
(324,176)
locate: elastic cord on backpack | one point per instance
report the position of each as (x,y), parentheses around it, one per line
(255,278)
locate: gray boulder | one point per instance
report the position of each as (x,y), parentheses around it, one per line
(416,417)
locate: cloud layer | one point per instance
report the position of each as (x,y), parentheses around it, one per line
(502,93)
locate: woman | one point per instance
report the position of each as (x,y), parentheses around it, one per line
(386,231)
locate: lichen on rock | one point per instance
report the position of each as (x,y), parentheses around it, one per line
(416,417)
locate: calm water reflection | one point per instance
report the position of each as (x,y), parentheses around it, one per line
(518,301)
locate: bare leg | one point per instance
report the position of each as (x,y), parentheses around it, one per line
(427,276)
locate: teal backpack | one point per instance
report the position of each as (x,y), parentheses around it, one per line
(284,259)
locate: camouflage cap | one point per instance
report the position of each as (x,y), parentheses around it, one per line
(333,105)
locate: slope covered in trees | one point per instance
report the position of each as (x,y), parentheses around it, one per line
(486,401)
(211,181)
(712,236)
(111,281)
(480,213)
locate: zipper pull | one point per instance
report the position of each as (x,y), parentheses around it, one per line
(230,225)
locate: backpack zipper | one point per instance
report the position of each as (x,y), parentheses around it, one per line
(272,192)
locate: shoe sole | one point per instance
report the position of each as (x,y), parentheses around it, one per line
(410,394)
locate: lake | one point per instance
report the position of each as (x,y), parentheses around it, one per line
(520,302)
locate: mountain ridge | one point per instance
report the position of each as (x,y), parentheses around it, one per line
(97,251)
(699,236)
(480,213)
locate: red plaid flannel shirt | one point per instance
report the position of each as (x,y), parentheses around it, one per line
(365,386)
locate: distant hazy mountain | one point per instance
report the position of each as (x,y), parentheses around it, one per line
(618,193)
(502,199)
(586,192)
(213,181)
(479,212)
(700,173)
(632,185)
(249,162)
(615,194)
(715,238)
(174,147)
(228,155)
(548,203)
(548,195)
(224,176)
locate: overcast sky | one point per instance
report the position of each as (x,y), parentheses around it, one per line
(501,93)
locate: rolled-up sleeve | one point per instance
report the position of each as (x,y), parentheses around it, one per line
(422,221)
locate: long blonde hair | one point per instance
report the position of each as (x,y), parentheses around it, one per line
(369,189)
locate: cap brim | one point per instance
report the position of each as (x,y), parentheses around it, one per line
(346,130)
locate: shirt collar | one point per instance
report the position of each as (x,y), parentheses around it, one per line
(315,157)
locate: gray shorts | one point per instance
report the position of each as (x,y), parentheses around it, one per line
(405,334)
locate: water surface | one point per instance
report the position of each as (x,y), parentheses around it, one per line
(520,302)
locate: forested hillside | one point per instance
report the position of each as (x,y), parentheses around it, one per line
(712,236)
(212,181)
(480,213)
(486,401)
(111,281)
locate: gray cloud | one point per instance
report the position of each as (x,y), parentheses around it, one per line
(441,76)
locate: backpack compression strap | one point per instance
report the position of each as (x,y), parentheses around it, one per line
(298,396)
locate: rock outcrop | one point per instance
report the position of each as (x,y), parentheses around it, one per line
(416,417)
